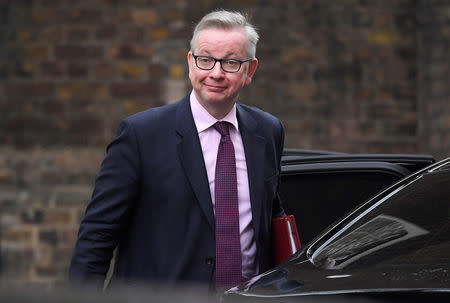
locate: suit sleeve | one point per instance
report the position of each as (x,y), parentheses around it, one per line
(107,214)
(277,209)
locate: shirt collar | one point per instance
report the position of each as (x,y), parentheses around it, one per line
(203,120)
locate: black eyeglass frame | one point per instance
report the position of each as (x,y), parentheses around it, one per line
(220,61)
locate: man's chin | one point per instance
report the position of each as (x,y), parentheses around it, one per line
(215,98)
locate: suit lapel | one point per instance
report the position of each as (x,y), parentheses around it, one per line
(254,147)
(191,157)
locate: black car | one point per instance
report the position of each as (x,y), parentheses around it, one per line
(393,247)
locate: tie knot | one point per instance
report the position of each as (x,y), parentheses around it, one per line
(222,127)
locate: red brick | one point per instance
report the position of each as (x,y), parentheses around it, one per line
(26,69)
(41,16)
(78,15)
(25,35)
(21,235)
(51,106)
(78,52)
(106,32)
(69,236)
(131,51)
(133,89)
(157,34)
(26,89)
(7,176)
(104,70)
(157,71)
(16,263)
(133,35)
(145,16)
(49,237)
(77,70)
(182,33)
(37,52)
(52,68)
(46,270)
(78,34)
(81,90)
(50,35)
(50,3)
(57,216)
(119,16)
(132,70)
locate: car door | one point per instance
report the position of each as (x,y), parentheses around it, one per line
(320,187)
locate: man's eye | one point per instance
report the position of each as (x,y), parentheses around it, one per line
(231,62)
(204,59)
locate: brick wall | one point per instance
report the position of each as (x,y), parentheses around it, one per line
(433,81)
(346,75)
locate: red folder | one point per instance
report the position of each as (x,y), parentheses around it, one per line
(285,239)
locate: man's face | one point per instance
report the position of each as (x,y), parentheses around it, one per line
(215,88)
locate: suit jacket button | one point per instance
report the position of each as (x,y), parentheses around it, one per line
(209,261)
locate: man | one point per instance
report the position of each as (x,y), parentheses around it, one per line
(167,195)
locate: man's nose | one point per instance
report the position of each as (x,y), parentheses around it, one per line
(217,71)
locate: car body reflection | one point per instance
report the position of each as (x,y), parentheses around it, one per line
(395,244)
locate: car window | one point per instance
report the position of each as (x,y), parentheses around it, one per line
(403,227)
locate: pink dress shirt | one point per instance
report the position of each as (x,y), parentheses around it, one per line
(209,140)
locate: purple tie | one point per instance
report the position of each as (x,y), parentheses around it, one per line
(228,245)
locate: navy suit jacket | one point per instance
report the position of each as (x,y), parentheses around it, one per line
(152,201)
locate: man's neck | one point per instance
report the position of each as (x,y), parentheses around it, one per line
(218,111)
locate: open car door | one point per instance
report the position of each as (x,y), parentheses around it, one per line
(318,187)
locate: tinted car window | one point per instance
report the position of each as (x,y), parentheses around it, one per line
(410,226)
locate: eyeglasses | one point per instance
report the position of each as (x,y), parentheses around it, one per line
(227,65)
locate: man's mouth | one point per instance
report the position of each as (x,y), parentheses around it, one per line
(213,87)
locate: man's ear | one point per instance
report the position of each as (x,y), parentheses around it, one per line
(189,57)
(252,65)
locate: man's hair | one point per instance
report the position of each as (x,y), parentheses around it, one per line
(223,19)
